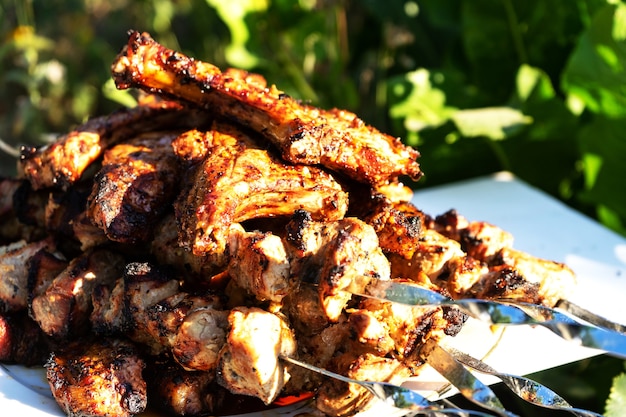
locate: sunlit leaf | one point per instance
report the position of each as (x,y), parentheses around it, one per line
(533,81)
(417,102)
(595,72)
(616,404)
(492,122)
(233,13)
(603,146)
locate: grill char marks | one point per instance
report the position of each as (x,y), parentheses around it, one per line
(93,379)
(135,186)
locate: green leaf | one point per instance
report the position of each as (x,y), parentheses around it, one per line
(495,123)
(533,83)
(616,403)
(415,101)
(233,13)
(603,148)
(595,73)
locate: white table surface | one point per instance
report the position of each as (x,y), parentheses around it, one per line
(541,226)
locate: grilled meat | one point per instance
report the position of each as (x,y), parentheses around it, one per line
(122,309)
(63,309)
(166,248)
(148,306)
(523,277)
(63,163)
(22,341)
(339,256)
(480,240)
(239,181)
(135,186)
(259,264)
(249,218)
(249,362)
(21,211)
(14,270)
(398,224)
(304,134)
(43,267)
(396,329)
(98,379)
(200,338)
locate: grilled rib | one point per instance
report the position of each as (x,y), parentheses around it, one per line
(62,163)
(334,138)
(98,379)
(239,181)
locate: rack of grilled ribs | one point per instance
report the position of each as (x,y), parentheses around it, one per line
(195,238)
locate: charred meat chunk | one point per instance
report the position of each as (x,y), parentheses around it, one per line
(134,187)
(98,379)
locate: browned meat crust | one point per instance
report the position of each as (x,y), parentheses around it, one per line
(98,379)
(340,256)
(334,138)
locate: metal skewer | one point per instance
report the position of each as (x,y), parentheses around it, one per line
(394,395)
(525,388)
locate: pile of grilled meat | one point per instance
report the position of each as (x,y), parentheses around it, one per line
(174,250)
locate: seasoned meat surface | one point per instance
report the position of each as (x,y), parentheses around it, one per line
(98,379)
(239,181)
(14,270)
(304,134)
(340,257)
(339,399)
(260,264)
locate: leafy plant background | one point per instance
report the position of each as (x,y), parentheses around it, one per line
(534,87)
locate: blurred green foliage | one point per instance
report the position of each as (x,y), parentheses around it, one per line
(531,86)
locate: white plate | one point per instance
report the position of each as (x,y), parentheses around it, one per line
(541,225)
